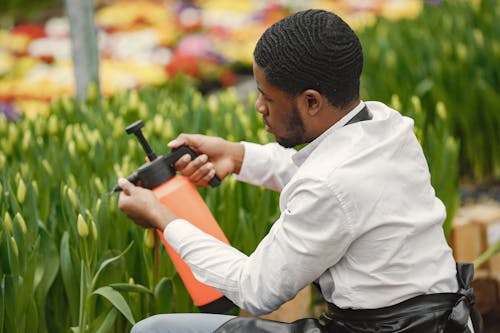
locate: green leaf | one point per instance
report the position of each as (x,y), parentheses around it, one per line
(109,261)
(2,306)
(487,255)
(117,300)
(133,288)
(108,322)
(164,296)
(69,277)
(32,316)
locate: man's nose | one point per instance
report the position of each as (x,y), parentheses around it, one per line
(260,107)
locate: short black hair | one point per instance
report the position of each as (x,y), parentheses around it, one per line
(312,49)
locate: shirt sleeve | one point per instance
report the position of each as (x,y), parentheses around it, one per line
(310,236)
(268,165)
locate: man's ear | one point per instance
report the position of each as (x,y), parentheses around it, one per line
(313,101)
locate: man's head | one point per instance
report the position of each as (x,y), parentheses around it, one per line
(312,49)
(307,68)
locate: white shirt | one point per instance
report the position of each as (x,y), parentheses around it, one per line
(358,215)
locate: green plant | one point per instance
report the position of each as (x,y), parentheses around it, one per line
(448,55)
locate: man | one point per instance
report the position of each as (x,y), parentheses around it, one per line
(359,216)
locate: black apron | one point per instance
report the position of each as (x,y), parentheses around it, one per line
(433,313)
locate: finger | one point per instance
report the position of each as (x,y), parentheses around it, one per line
(126,186)
(202,172)
(182,139)
(194,165)
(182,162)
(206,179)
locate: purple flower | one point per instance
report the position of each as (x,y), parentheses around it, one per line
(9,111)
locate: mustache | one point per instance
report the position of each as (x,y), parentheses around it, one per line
(264,120)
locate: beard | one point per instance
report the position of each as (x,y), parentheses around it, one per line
(295,131)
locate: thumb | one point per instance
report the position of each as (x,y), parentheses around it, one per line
(177,142)
(126,186)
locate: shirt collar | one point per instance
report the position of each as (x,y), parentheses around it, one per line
(299,157)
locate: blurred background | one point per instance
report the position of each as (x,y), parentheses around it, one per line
(74,74)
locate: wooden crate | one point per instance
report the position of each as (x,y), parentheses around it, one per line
(474,230)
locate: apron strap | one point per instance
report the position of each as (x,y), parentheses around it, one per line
(362,115)
(465,305)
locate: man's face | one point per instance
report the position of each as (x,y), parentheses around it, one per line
(279,111)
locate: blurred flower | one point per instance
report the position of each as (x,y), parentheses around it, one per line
(9,111)
(31,30)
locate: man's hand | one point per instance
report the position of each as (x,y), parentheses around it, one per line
(141,206)
(216,157)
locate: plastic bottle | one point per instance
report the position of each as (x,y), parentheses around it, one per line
(178,194)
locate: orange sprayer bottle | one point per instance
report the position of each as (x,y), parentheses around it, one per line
(178,194)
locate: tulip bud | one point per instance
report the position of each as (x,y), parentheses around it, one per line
(6,146)
(479,38)
(72,149)
(72,181)
(395,102)
(461,52)
(149,238)
(72,198)
(7,220)
(34,184)
(2,161)
(98,205)
(47,168)
(131,280)
(133,101)
(83,229)
(81,143)
(391,59)
(25,169)
(417,104)
(99,185)
(26,142)
(13,132)
(21,222)
(13,245)
(441,110)
(94,229)
(53,125)
(21,191)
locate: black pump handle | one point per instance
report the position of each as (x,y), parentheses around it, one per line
(178,152)
(135,128)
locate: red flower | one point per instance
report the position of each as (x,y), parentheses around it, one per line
(31,30)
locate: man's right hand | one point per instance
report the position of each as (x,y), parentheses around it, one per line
(215,157)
